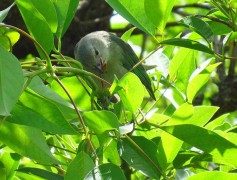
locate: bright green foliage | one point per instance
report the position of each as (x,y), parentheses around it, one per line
(54,125)
(10,86)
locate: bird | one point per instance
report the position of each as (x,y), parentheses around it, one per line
(106,55)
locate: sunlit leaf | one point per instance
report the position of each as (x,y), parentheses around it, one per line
(159,15)
(134,12)
(101,121)
(27,141)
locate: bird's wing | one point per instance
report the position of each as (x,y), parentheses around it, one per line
(131,60)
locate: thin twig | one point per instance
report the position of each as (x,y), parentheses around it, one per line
(78,113)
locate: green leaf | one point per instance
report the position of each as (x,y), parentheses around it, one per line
(8,37)
(106,171)
(181,67)
(140,153)
(213,175)
(80,166)
(51,116)
(169,145)
(199,26)
(11,81)
(65,12)
(76,90)
(101,121)
(3,13)
(11,162)
(219,28)
(131,91)
(197,82)
(44,7)
(134,12)
(27,141)
(37,25)
(40,173)
(206,140)
(127,34)
(160,13)
(191,44)
(187,114)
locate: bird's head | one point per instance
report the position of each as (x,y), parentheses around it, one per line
(93,52)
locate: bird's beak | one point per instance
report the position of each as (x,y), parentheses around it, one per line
(101,66)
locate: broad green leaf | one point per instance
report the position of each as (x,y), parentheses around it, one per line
(76,90)
(106,171)
(131,91)
(11,81)
(169,145)
(3,13)
(44,7)
(37,25)
(219,28)
(44,174)
(181,67)
(158,12)
(141,155)
(199,26)
(21,115)
(27,141)
(134,12)
(191,44)
(217,175)
(216,122)
(199,81)
(50,115)
(206,140)
(80,166)
(65,12)
(198,115)
(101,121)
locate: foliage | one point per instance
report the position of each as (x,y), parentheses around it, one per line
(52,126)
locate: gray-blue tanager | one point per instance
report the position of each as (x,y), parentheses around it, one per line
(107,56)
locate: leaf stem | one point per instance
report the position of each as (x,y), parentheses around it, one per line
(49,64)
(78,113)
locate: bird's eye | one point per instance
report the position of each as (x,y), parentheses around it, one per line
(96,52)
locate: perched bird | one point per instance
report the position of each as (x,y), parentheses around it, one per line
(106,55)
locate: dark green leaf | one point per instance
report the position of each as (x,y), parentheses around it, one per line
(141,155)
(41,173)
(188,44)
(80,166)
(199,26)
(106,171)
(11,81)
